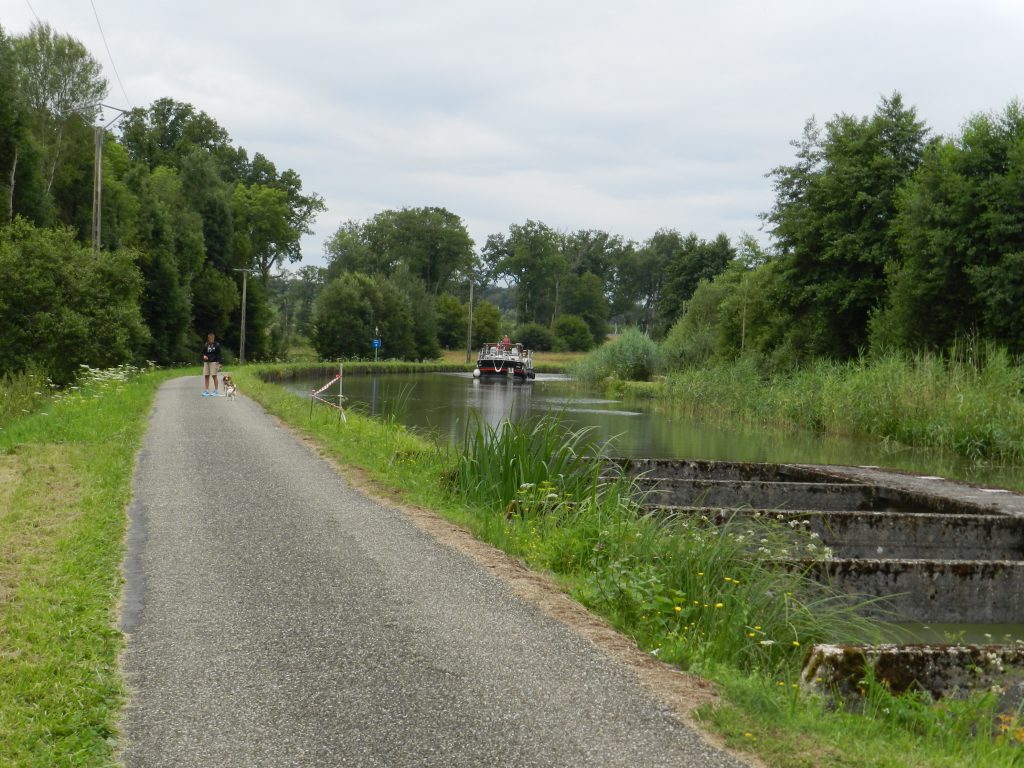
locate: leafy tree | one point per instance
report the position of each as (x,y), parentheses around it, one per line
(170,243)
(210,196)
(572,334)
(583,296)
(536,336)
(833,221)
(60,81)
(263,237)
(61,305)
(423,316)
(294,295)
(642,279)
(486,323)
(432,243)
(215,297)
(531,258)
(960,228)
(169,131)
(348,311)
(690,261)
(347,250)
(451,322)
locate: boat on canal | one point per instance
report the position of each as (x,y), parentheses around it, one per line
(504,360)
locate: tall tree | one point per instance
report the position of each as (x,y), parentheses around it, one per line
(961,233)
(432,243)
(832,221)
(60,81)
(690,261)
(530,256)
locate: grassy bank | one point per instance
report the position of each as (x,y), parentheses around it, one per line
(972,407)
(692,593)
(65,481)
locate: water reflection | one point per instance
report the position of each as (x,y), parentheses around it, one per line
(442,404)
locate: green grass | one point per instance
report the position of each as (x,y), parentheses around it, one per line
(66,480)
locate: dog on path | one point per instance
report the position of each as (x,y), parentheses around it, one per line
(229,386)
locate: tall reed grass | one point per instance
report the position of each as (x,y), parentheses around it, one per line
(21,394)
(690,590)
(971,405)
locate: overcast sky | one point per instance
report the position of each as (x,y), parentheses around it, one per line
(584,114)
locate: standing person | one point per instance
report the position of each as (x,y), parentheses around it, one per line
(211,364)
(506,342)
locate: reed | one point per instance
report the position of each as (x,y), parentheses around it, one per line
(690,590)
(972,406)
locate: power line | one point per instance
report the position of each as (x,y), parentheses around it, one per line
(33,11)
(112,64)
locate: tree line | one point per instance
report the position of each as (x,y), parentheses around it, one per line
(183,211)
(881,236)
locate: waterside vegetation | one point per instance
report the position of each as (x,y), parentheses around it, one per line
(967,401)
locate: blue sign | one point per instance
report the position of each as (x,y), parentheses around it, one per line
(376,343)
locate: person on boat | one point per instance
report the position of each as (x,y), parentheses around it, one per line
(506,343)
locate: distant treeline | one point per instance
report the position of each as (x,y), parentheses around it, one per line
(882,237)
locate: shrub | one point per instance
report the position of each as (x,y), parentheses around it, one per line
(631,357)
(536,337)
(572,334)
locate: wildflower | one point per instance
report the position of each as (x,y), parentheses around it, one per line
(796,643)
(700,573)
(678,609)
(719,605)
(751,634)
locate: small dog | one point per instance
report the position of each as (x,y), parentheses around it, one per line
(229,387)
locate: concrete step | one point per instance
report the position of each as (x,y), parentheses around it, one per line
(947,591)
(698,469)
(764,494)
(893,535)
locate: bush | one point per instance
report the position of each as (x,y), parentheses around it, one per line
(536,337)
(61,305)
(572,334)
(630,357)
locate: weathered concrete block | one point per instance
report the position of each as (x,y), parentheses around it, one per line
(839,671)
(761,494)
(941,591)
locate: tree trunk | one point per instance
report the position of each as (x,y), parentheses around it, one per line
(10,198)
(56,156)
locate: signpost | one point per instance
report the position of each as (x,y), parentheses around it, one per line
(376,346)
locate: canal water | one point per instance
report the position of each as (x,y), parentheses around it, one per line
(441,405)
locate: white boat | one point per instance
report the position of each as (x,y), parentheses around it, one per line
(504,360)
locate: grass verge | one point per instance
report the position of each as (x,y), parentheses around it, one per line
(65,481)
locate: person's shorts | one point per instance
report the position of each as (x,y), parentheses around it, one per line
(211,369)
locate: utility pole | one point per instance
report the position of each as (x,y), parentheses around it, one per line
(99,134)
(469,325)
(241,341)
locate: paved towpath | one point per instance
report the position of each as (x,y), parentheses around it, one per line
(278,617)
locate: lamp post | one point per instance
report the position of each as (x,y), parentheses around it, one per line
(99,134)
(241,341)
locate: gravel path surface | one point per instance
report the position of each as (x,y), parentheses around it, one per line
(278,617)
